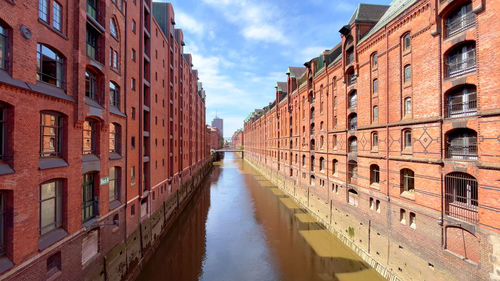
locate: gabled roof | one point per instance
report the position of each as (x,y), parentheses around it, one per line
(296,72)
(368,13)
(282,86)
(396,8)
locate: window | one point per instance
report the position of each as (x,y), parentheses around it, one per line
(92,39)
(377,206)
(89,198)
(461,59)
(407,73)
(54,264)
(374,60)
(3,131)
(322,164)
(112,28)
(49,66)
(374,174)
(132,172)
(114,95)
(407,42)
(133,113)
(461,196)
(372,203)
(4,47)
(43,10)
(374,140)
(353,144)
(90,246)
(51,125)
(50,206)
(413,222)
(335,164)
(114,138)
(461,144)
(312,180)
(114,184)
(132,142)
(91,85)
(462,102)
(353,99)
(312,163)
(132,82)
(375,86)
(89,137)
(407,139)
(407,180)
(352,172)
(460,19)
(133,26)
(407,107)
(375,113)
(352,197)
(57,16)
(113,58)
(335,142)
(402,216)
(92,8)
(133,55)
(353,121)
(303,160)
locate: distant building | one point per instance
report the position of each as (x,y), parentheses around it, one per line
(219,124)
(237,139)
(214,138)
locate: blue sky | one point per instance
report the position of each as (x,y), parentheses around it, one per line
(241,48)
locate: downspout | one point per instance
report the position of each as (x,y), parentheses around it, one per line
(387,146)
(126,124)
(327,146)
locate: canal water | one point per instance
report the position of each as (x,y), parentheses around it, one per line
(239,226)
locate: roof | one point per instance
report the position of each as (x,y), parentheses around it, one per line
(296,71)
(333,54)
(395,9)
(282,86)
(368,13)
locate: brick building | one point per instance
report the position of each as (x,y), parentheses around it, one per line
(392,137)
(237,139)
(214,138)
(102,127)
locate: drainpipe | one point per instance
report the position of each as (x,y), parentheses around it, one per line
(126,127)
(327,142)
(387,147)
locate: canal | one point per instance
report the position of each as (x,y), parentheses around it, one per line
(240,227)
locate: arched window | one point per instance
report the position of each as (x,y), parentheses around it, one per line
(375,86)
(375,113)
(322,164)
(90,136)
(313,144)
(303,160)
(312,113)
(321,141)
(406,42)
(312,128)
(50,204)
(353,99)
(374,174)
(312,180)
(407,107)
(462,144)
(407,180)
(114,95)
(460,19)
(349,51)
(4,46)
(374,60)
(407,73)
(353,144)
(312,163)
(461,196)
(353,121)
(461,60)
(335,164)
(462,101)
(407,139)
(91,88)
(50,66)
(352,197)
(352,173)
(321,127)
(374,140)
(112,28)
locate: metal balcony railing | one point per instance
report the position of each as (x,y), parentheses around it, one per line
(461,197)
(467,108)
(462,152)
(460,24)
(461,63)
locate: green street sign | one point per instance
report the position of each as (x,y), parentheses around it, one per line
(104,180)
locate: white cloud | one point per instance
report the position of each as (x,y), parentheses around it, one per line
(311,52)
(189,24)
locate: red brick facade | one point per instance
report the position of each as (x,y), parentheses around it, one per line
(214,139)
(395,131)
(237,139)
(102,123)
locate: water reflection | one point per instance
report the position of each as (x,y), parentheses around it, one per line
(241,227)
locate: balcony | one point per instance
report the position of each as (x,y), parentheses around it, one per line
(352,79)
(461,63)
(460,23)
(459,109)
(461,197)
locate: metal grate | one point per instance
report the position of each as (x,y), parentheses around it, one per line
(461,197)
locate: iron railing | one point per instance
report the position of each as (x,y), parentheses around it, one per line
(462,109)
(460,24)
(464,152)
(352,79)
(461,197)
(458,65)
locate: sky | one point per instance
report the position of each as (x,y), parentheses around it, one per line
(241,48)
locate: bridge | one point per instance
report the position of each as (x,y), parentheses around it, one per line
(229,149)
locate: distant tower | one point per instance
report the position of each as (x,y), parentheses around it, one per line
(218,123)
